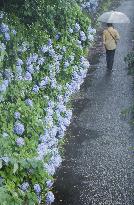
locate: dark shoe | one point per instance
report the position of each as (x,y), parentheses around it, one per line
(109,68)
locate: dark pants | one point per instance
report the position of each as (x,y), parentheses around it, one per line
(110,58)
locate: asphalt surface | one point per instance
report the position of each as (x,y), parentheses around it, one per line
(99,168)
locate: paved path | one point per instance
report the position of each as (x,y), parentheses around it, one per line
(98,167)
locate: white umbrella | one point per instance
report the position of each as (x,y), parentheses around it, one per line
(114,17)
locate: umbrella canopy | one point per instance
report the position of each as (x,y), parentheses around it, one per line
(114,17)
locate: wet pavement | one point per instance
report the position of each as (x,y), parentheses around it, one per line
(98,168)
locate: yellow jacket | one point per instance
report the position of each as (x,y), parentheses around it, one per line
(108,40)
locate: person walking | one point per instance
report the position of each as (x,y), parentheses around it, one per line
(110,38)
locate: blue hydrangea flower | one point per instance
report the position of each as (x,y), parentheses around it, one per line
(82,59)
(2,47)
(53,83)
(72,57)
(24,187)
(50,198)
(50,169)
(77,27)
(44,48)
(49,42)
(82,36)
(14,32)
(30,69)
(41,61)
(91,30)
(29,102)
(56,160)
(4,28)
(18,70)
(42,150)
(66,64)
(60,57)
(19,62)
(71,30)
(19,128)
(17,115)
(57,69)
(34,57)
(78,43)
(90,37)
(52,52)
(49,183)
(20,141)
(8,74)
(90,6)
(7,37)
(1,15)
(39,198)
(57,37)
(44,82)
(64,49)
(24,47)
(87,6)
(3,88)
(84,63)
(28,76)
(6,83)
(28,61)
(5,159)
(35,89)
(37,188)
(44,138)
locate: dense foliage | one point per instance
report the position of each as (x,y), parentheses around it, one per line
(43,45)
(130,60)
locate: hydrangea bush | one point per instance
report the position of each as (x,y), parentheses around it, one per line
(129,59)
(90,6)
(39,72)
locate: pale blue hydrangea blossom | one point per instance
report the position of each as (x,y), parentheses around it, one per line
(5,159)
(37,188)
(20,142)
(44,48)
(17,115)
(35,89)
(24,187)
(49,183)
(14,32)
(1,14)
(28,76)
(19,62)
(66,64)
(7,36)
(77,27)
(19,128)
(83,36)
(2,47)
(4,28)
(50,198)
(29,102)
(71,30)
(30,68)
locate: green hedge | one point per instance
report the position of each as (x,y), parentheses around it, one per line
(41,65)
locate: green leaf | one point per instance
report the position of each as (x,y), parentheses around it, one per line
(0,163)
(15,168)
